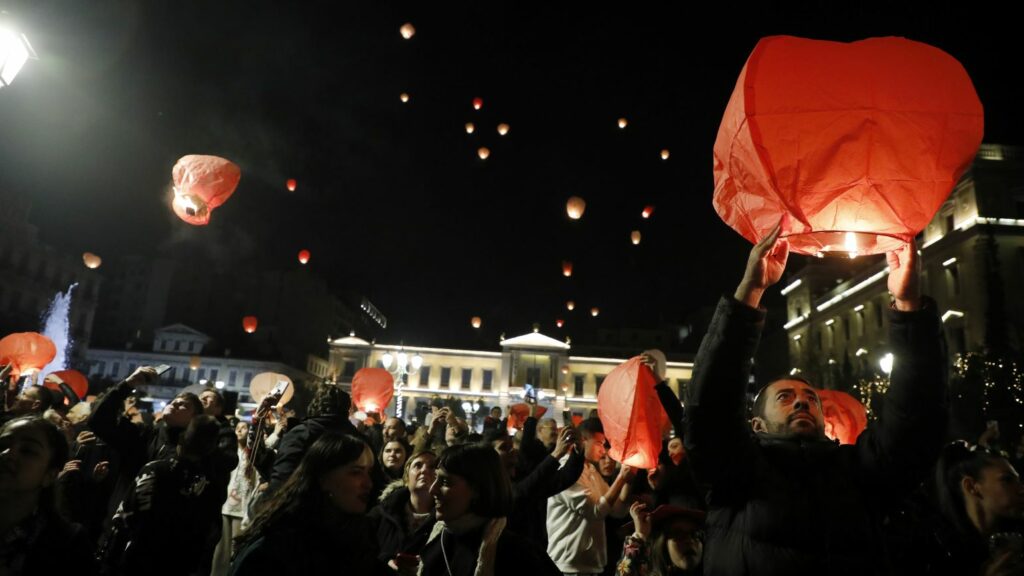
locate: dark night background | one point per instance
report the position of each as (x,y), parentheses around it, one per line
(392,200)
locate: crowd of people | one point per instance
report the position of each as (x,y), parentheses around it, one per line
(740,487)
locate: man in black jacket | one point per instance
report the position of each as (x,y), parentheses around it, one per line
(783,499)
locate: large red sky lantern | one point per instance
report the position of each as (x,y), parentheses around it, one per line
(249,324)
(845,416)
(372,389)
(201,184)
(75,380)
(26,352)
(857,144)
(633,419)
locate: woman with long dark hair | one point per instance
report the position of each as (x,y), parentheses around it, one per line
(473,497)
(315,523)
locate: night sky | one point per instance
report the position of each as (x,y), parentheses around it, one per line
(392,200)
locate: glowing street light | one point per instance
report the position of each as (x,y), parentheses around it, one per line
(14,51)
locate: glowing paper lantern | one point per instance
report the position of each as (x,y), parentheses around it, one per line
(403,97)
(407,30)
(623,123)
(570,305)
(860,141)
(372,389)
(566,268)
(264,382)
(577,419)
(575,206)
(559,322)
(26,352)
(195,362)
(478,103)
(595,311)
(470,127)
(483,152)
(75,380)
(502,129)
(647,211)
(664,154)
(91,260)
(201,184)
(304,256)
(633,419)
(475,321)
(518,413)
(634,237)
(845,416)
(249,324)
(291,184)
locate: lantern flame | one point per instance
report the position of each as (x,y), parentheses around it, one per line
(851,244)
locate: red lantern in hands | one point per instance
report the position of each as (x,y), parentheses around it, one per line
(633,418)
(845,416)
(372,389)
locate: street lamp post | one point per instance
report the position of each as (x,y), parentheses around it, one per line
(14,51)
(401,366)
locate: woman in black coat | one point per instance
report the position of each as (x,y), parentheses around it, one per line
(405,515)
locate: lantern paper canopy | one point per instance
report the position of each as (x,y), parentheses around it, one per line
(91,260)
(476,322)
(372,389)
(470,127)
(559,322)
(249,324)
(857,144)
(502,129)
(633,419)
(74,379)
(570,305)
(845,416)
(304,256)
(595,311)
(623,123)
(575,206)
(577,419)
(407,30)
(483,152)
(664,154)
(566,268)
(478,103)
(194,362)
(26,352)
(264,382)
(291,184)
(404,97)
(634,237)
(518,413)
(201,184)
(647,211)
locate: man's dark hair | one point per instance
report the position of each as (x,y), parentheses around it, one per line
(220,397)
(43,395)
(329,400)
(201,436)
(591,426)
(193,400)
(757,410)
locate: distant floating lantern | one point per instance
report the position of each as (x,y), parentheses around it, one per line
(407,30)
(648,210)
(484,152)
(195,362)
(634,237)
(291,184)
(404,97)
(502,129)
(201,184)
(476,322)
(570,305)
(478,103)
(623,123)
(595,311)
(565,370)
(91,260)
(304,256)
(566,268)
(470,127)
(575,206)
(559,322)
(249,324)
(664,154)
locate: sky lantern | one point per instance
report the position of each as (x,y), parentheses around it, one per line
(570,305)
(249,324)
(74,379)
(264,382)
(407,30)
(502,129)
(26,352)
(845,416)
(478,103)
(559,322)
(855,146)
(404,96)
(518,413)
(634,421)
(623,123)
(291,184)
(201,184)
(470,127)
(484,152)
(634,237)
(575,206)
(566,268)
(475,321)
(372,389)
(91,260)
(595,311)
(195,362)
(647,211)
(664,154)
(304,256)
